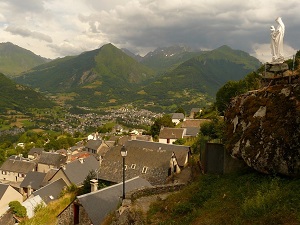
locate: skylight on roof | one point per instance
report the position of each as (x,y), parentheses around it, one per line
(133,166)
(145,168)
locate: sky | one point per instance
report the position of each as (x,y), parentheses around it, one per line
(58,28)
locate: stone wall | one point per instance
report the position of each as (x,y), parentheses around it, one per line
(159,189)
(66,217)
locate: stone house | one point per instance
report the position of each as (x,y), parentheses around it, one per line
(8,194)
(177,118)
(94,136)
(51,191)
(76,171)
(35,153)
(168,135)
(92,208)
(32,182)
(96,147)
(194,112)
(14,169)
(50,160)
(150,160)
(192,126)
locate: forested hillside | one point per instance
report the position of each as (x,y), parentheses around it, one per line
(18,97)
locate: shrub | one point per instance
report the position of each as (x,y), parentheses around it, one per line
(18,209)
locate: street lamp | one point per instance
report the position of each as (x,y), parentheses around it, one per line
(123,154)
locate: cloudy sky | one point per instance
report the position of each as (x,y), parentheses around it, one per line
(56,28)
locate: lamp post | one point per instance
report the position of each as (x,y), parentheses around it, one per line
(123,154)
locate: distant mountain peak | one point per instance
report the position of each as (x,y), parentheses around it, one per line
(169,51)
(15,59)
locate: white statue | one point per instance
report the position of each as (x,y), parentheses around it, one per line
(277,41)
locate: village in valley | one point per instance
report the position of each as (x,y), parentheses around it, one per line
(41,177)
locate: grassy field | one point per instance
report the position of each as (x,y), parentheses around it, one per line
(235,199)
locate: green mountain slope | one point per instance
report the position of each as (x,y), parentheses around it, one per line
(200,78)
(94,78)
(14,59)
(18,97)
(166,59)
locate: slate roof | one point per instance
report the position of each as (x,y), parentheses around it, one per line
(194,122)
(100,203)
(52,158)
(93,144)
(37,151)
(77,147)
(195,110)
(142,137)
(179,116)
(142,154)
(3,189)
(171,133)
(77,171)
(34,179)
(62,151)
(48,176)
(192,131)
(18,166)
(51,191)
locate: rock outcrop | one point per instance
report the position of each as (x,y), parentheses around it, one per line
(263,129)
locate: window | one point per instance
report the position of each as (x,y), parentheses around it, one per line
(133,166)
(3,172)
(144,169)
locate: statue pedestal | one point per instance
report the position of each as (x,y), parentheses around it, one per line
(274,70)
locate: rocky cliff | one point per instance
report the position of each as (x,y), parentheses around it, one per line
(263,129)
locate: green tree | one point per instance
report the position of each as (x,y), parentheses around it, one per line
(226,92)
(86,186)
(180,110)
(179,141)
(165,120)
(18,209)
(234,88)
(213,129)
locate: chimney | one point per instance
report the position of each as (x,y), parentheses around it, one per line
(29,190)
(81,160)
(94,185)
(133,137)
(69,156)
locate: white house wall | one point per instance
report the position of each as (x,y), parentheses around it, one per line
(10,195)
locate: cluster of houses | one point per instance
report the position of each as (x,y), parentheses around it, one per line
(42,176)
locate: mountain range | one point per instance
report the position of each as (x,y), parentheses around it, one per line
(162,80)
